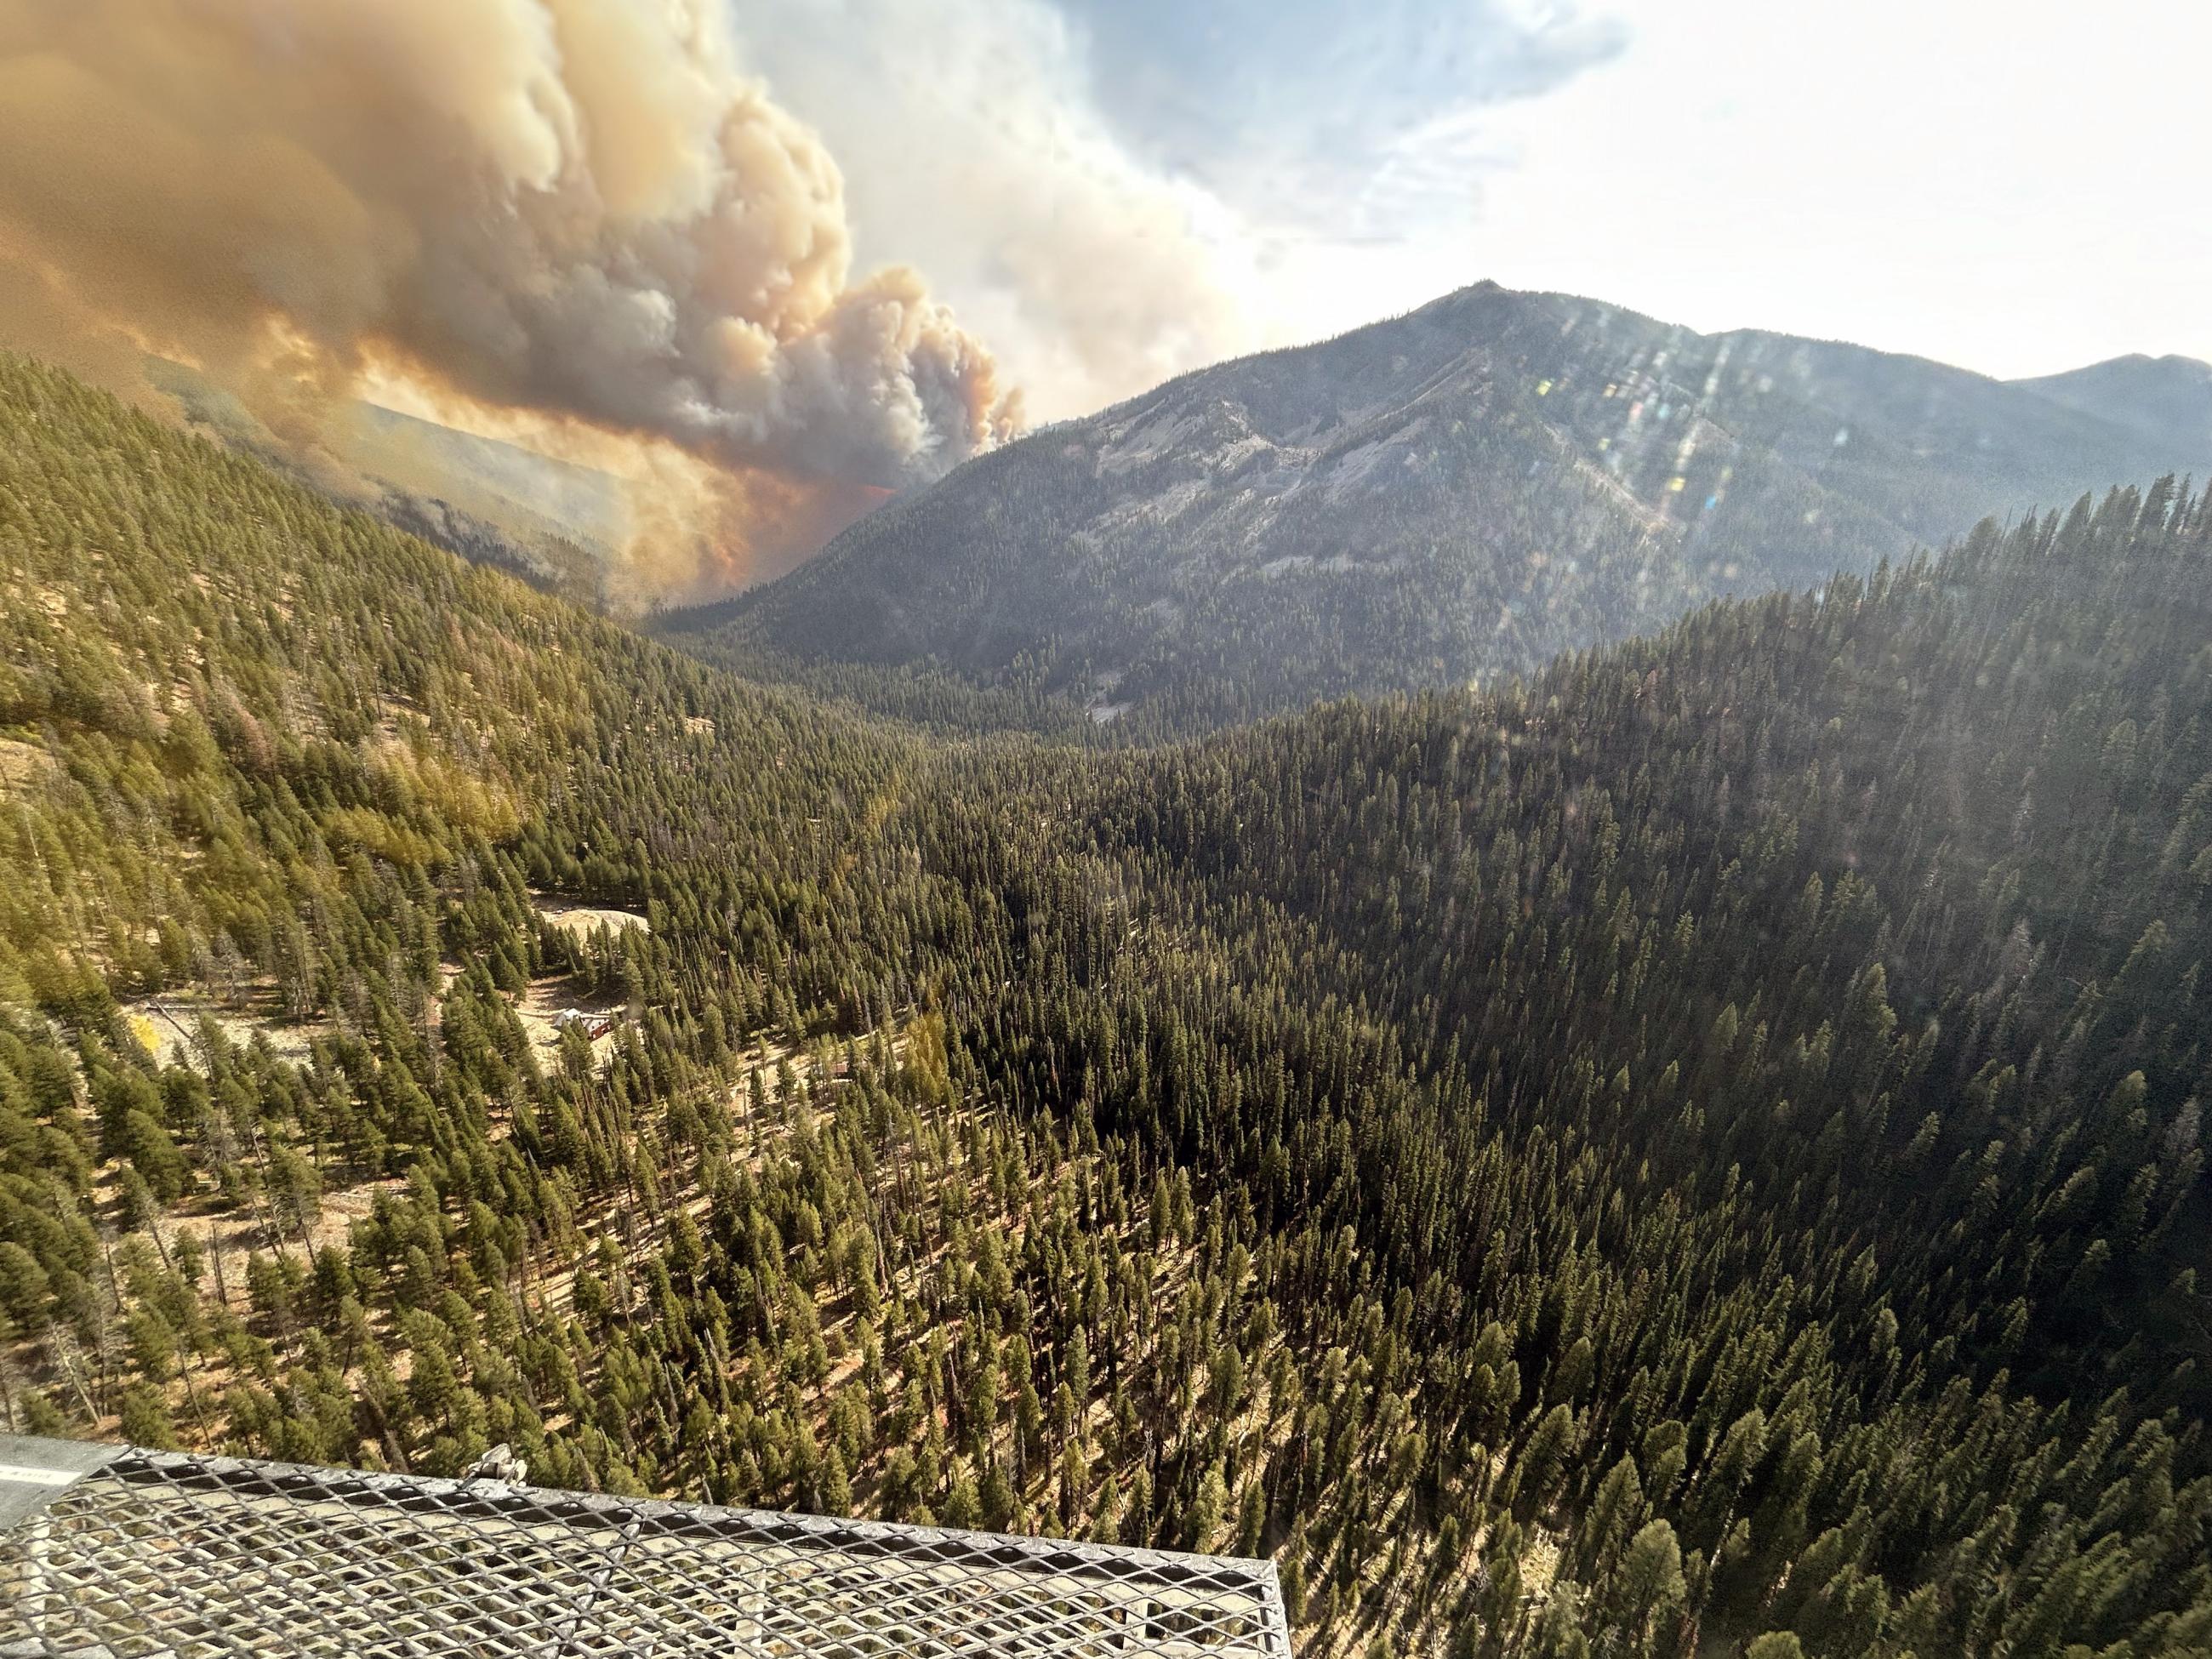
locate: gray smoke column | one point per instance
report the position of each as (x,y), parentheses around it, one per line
(578,221)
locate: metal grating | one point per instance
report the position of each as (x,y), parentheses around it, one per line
(161,1555)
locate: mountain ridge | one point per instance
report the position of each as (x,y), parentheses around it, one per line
(2170,393)
(1461,491)
(557,524)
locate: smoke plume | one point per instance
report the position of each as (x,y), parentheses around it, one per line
(577,223)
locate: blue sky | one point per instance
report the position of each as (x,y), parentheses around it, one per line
(1294,109)
(1111,190)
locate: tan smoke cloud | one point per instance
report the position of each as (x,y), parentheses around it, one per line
(573,222)
(974,146)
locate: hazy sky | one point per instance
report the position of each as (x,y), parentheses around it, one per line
(1110,191)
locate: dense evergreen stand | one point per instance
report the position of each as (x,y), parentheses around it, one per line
(1697,1152)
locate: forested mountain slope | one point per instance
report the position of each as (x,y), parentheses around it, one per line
(557,526)
(2164,397)
(1696,1154)
(1461,492)
(1804,1027)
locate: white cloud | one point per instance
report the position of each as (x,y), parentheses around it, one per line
(2011,184)
(2015,187)
(972,150)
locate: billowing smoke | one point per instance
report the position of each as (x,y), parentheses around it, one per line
(577,221)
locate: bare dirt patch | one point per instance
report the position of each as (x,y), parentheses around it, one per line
(582,920)
(22,765)
(548,1002)
(169,1027)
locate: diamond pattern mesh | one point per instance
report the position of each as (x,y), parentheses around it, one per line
(165,1556)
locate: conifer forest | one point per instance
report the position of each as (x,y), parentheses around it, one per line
(1697,1149)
